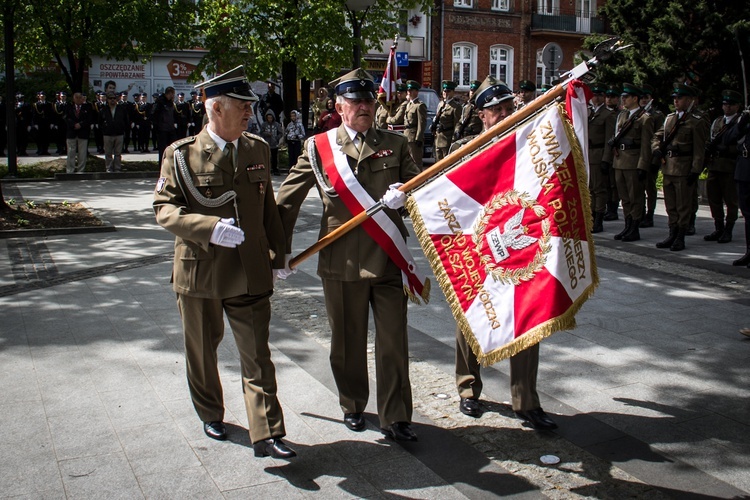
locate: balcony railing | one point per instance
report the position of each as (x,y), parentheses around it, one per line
(578,23)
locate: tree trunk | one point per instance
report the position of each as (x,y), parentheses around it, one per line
(305,103)
(289,78)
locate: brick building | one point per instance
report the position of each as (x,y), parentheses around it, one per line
(504,38)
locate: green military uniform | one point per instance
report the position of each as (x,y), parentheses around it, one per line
(382,113)
(211,280)
(601,129)
(657,117)
(613,198)
(415,124)
(721,160)
(683,151)
(447,119)
(357,273)
(632,161)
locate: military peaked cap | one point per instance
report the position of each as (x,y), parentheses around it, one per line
(491,92)
(647,89)
(413,85)
(731,97)
(630,89)
(527,85)
(680,90)
(448,85)
(232,84)
(357,84)
(475,85)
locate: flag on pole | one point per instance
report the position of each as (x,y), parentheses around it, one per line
(507,233)
(388,83)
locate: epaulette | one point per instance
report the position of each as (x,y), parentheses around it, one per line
(250,135)
(697,115)
(392,132)
(182,142)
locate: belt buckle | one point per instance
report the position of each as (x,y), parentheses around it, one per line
(622,147)
(670,154)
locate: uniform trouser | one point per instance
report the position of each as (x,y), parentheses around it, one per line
(743,198)
(721,189)
(678,199)
(631,192)
(113,153)
(416,153)
(249,317)
(613,196)
(163,140)
(441,153)
(523,375)
(98,139)
(77,147)
(651,192)
(598,188)
(347,304)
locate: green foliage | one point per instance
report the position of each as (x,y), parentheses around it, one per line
(677,41)
(313,34)
(30,203)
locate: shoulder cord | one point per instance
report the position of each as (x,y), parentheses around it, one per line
(329,190)
(181,170)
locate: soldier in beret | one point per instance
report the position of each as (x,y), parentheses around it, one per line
(680,143)
(721,159)
(601,129)
(358,273)
(415,121)
(470,124)
(494,100)
(447,118)
(215,195)
(634,130)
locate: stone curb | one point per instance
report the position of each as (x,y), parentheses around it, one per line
(106,227)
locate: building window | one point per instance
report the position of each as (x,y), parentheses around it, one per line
(503,5)
(548,7)
(540,69)
(501,63)
(464,63)
(466,4)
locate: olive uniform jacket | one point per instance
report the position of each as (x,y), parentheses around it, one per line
(470,121)
(385,160)
(685,154)
(397,117)
(724,156)
(634,150)
(209,271)
(601,129)
(382,114)
(450,117)
(415,120)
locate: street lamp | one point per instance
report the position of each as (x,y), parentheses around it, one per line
(352,8)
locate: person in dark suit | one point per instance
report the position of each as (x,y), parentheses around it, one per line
(163,120)
(42,122)
(114,121)
(494,102)
(357,272)
(218,201)
(78,125)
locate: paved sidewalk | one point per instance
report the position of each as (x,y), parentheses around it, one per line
(651,390)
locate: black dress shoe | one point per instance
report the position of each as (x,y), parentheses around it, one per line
(399,431)
(470,407)
(538,419)
(215,430)
(273,447)
(354,421)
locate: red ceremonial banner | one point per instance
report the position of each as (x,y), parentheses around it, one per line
(507,233)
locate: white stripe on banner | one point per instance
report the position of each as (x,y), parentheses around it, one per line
(462,206)
(501,298)
(557,264)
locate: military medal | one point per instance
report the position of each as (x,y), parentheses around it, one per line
(208,192)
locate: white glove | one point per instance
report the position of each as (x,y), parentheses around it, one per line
(393,198)
(283,274)
(225,234)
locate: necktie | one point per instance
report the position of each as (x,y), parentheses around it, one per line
(229,152)
(78,111)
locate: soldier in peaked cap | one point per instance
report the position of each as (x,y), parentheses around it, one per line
(612,101)
(721,159)
(181,115)
(680,144)
(470,124)
(632,159)
(494,100)
(215,195)
(526,92)
(447,118)
(415,121)
(42,121)
(395,120)
(657,116)
(358,272)
(601,129)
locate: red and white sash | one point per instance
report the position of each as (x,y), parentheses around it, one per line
(379,226)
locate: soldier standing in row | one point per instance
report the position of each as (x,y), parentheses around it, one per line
(632,159)
(447,119)
(526,93)
(738,137)
(197,112)
(680,143)
(612,101)
(398,108)
(181,115)
(60,108)
(647,103)
(42,123)
(470,124)
(23,125)
(143,123)
(415,121)
(382,111)
(721,160)
(96,107)
(601,129)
